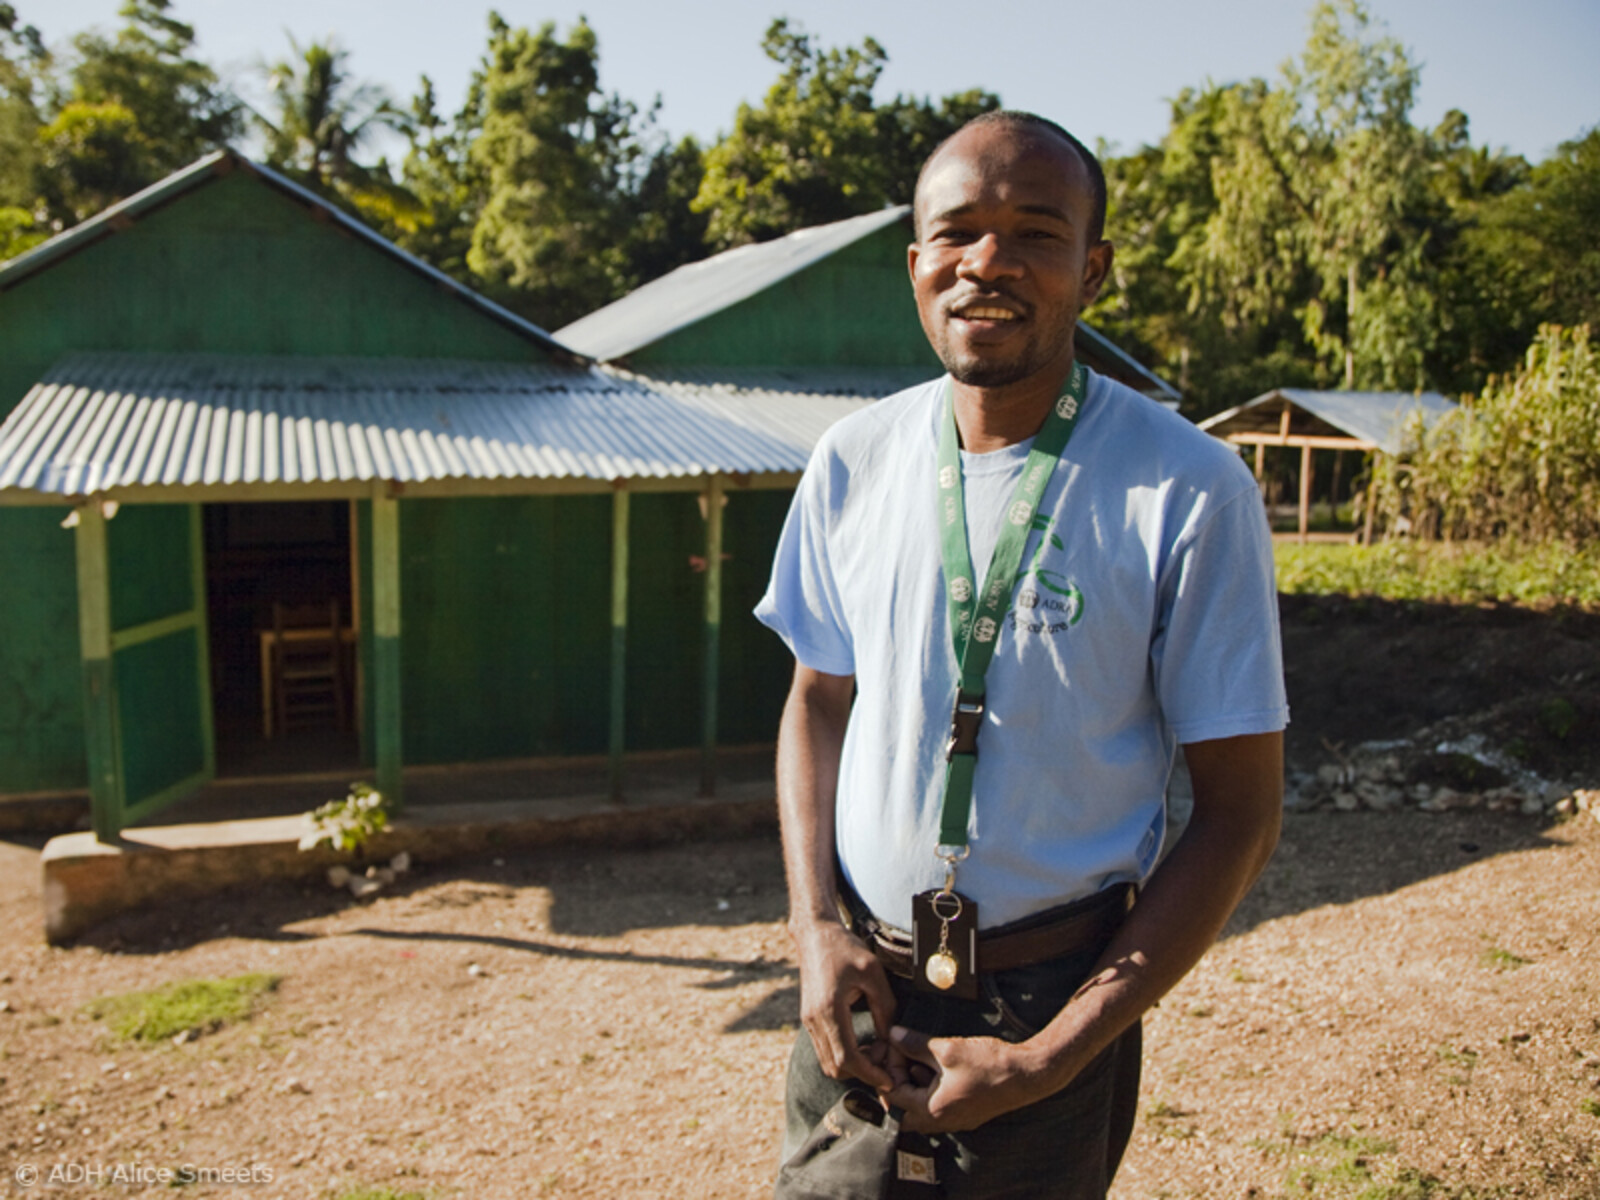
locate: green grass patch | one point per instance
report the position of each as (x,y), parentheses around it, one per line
(193,1006)
(1342,1166)
(1589,1106)
(1496,959)
(1450,573)
(366,1192)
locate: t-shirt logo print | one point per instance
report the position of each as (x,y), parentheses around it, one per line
(1020,513)
(961,589)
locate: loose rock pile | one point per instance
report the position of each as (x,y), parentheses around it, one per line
(373,880)
(1385,776)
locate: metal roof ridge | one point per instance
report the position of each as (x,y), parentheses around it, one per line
(57,245)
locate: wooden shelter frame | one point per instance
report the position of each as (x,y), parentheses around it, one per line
(1306,443)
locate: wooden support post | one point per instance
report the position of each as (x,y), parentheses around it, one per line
(1305,492)
(714,497)
(1261,464)
(1368,506)
(99,694)
(387,711)
(619,635)
(1333,488)
(202,633)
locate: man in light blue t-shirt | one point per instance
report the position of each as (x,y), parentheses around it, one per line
(974,906)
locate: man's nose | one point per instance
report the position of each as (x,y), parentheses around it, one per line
(990,257)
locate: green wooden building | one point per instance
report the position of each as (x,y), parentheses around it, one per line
(224,392)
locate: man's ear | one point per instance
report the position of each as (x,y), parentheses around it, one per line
(1096,269)
(912,251)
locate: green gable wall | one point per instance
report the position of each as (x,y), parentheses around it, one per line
(236,267)
(854,308)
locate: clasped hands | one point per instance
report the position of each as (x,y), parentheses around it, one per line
(941,1084)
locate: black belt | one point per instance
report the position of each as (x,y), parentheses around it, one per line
(1084,924)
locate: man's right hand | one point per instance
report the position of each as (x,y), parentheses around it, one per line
(836,970)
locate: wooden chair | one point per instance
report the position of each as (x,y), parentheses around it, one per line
(307,674)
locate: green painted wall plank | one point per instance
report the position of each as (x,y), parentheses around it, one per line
(755,665)
(159,707)
(506,630)
(41,685)
(151,569)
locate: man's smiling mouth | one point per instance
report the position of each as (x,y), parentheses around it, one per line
(984,312)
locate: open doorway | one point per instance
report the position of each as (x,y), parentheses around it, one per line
(296,556)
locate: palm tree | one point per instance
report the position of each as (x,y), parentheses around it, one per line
(321,118)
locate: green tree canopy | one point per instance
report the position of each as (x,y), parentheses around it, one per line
(819,148)
(130,110)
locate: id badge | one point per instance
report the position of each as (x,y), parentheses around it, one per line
(944,944)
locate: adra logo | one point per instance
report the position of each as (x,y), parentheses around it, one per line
(1067,407)
(984,630)
(947,477)
(961,589)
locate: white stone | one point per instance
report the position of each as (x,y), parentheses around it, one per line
(1331,774)
(475,970)
(361,887)
(1346,801)
(338,876)
(400,863)
(1532,806)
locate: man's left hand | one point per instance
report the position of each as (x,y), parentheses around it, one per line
(946,1085)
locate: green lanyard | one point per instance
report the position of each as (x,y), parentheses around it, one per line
(975,618)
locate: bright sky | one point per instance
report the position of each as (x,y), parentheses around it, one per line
(1524,72)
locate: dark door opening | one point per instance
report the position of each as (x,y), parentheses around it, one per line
(297,555)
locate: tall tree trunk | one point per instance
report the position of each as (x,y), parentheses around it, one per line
(1350,329)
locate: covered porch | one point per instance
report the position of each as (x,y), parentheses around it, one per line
(131,449)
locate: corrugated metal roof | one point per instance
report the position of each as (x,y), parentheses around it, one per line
(694,291)
(221,162)
(98,422)
(1376,418)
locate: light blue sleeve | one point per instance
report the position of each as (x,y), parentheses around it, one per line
(1217,656)
(802,603)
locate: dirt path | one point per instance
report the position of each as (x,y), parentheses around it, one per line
(1406,1008)
(1387,996)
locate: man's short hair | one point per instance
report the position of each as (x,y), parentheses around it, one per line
(1017,119)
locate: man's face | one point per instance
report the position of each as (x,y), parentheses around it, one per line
(1002,264)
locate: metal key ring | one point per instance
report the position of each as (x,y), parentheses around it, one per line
(953,898)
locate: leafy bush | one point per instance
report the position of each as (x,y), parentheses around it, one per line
(1520,463)
(347,824)
(1470,574)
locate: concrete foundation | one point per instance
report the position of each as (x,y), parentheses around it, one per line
(86,881)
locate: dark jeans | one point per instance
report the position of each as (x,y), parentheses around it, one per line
(1066,1147)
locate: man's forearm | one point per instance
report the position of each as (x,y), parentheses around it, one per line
(1183,907)
(810,740)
